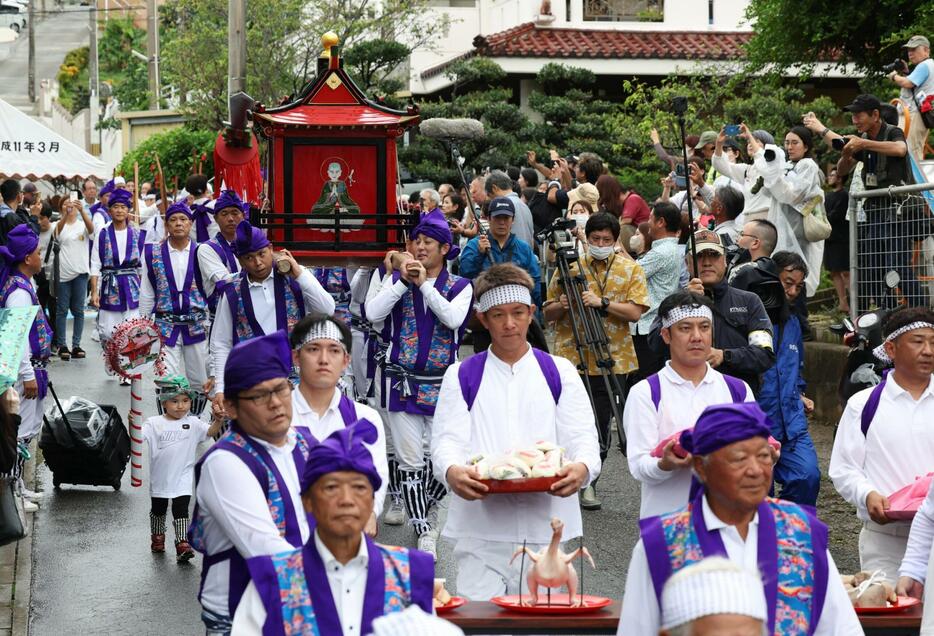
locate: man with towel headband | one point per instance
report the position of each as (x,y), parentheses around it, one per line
(731,516)
(341,580)
(509,397)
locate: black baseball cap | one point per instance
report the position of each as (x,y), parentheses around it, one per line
(501,206)
(864,104)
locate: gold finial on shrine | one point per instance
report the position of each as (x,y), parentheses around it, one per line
(328,40)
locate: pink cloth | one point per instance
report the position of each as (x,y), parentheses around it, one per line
(904,503)
(680,452)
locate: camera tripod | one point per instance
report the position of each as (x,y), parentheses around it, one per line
(587,328)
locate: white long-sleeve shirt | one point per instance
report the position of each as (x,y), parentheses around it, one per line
(359,286)
(264,307)
(513,409)
(640,612)
(915,563)
(898,448)
(322,426)
(179,260)
(681,404)
(348,589)
(746,174)
(213,269)
(236,513)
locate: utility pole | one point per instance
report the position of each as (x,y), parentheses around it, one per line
(152,50)
(31,17)
(94,106)
(236,50)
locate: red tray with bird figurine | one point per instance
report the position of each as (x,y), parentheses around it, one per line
(528,484)
(558,603)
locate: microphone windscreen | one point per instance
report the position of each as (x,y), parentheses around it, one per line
(439,128)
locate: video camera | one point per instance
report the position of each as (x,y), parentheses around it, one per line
(558,236)
(898,65)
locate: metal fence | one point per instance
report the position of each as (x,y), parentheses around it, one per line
(892,248)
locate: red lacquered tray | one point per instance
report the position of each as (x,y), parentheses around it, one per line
(455,602)
(559,604)
(901,515)
(531,484)
(903,603)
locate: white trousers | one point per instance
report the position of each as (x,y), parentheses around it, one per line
(410,436)
(358,363)
(882,548)
(195,357)
(483,569)
(107,321)
(30,414)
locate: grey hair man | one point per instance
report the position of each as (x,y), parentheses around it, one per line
(430,199)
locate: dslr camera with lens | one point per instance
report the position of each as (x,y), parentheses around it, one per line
(897,65)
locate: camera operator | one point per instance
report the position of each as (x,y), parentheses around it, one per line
(914,88)
(617,291)
(756,242)
(885,238)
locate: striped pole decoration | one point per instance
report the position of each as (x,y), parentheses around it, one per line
(134,347)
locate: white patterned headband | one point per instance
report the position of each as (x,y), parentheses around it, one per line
(879,351)
(686,311)
(504,295)
(324,330)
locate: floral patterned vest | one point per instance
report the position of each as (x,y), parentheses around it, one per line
(120,281)
(40,334)
(178,312)
(290,306)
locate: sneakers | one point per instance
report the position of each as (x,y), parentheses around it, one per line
(183,552)
(64,353)
(30,506)
(158,543)
(394,514)
(429,543)
(31,495)
(589,499)
(78,353)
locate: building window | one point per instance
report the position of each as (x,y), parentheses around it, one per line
(469,4)
(624,10)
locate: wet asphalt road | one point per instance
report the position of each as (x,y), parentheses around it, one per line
(94,574)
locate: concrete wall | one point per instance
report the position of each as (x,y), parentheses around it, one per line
(138,126)
(824,363)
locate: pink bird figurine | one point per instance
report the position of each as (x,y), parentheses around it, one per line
(552,568)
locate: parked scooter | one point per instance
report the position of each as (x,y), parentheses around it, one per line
(863,369)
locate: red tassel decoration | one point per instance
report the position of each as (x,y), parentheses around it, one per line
(238,169)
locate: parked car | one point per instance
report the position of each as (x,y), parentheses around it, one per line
(16,10)
(10,20)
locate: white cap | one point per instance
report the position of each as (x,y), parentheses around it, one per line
(120,181)
(413,621)
(712,586)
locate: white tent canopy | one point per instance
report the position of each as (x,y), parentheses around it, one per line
(29,150)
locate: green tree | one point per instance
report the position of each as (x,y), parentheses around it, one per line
(283,44)
(375,64)
(797,34)
(177,149)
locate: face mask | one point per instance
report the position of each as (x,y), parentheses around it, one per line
(581,219)
(600,253)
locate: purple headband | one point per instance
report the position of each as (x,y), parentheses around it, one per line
(230,199)
(179,208)
(343,450)
(107,188)
(119,195)
(723,424)
(434,225)
(249,239)
(257,360)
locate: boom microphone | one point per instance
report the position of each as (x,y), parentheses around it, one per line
(448,129)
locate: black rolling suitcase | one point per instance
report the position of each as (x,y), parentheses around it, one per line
(85,443)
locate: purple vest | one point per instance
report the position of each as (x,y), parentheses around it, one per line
(422,348)
(225,252)
(335,282)
(295,591)
(792,557)
(281,510)
(290,306)
(178,312)
(40,334)
(120,280)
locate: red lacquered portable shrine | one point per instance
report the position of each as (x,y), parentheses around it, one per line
(332,170)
